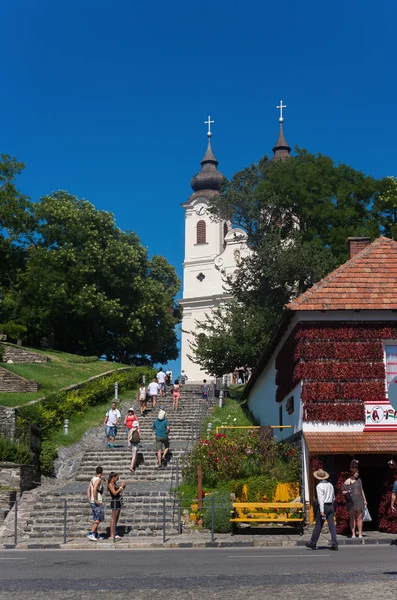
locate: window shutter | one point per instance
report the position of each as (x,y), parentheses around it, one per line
(201,232)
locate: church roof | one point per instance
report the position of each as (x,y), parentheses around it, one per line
(281,149)
(368,281)
(209,178)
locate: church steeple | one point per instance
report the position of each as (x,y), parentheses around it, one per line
(281,150)
(209,178)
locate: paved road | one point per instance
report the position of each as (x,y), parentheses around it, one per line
(359,573)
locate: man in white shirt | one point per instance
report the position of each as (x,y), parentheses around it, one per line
(153,390)
(326,498)
(168,376)
(112,418)
(161,381)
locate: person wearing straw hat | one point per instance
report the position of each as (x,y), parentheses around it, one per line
(326,498)
(161,430)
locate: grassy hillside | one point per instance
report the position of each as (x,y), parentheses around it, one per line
(52,376)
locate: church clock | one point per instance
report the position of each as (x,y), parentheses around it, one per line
(200,209)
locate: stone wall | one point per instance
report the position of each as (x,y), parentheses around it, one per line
(7,422)
(11,382)
(17,354)
(18,477)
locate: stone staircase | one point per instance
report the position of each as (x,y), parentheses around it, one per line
(148,497)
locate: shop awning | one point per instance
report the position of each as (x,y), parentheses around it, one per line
(357,442)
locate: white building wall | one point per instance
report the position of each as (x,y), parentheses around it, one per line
(204,270)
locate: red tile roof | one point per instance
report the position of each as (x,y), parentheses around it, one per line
(368,281)
(357,442)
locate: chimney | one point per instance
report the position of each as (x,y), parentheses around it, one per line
(356,244)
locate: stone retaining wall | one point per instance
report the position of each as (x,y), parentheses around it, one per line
(7,422)
(19,477)
(11,382)
(18,355)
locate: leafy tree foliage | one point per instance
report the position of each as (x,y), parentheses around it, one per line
(86,286)
(298,214)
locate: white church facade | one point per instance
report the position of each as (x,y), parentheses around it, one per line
(212,250)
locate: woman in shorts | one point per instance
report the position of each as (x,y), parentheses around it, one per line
(128,421)
(176,394)
(115,492)
(134,439)
(142,400)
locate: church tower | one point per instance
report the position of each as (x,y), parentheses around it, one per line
(281,150)
(212,249)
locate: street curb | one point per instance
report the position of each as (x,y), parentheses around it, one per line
(126,544)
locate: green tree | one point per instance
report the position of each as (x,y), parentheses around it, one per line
(16,222)
(90,287)
(298,214)
(385,207)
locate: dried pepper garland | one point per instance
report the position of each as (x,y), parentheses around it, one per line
(340,367)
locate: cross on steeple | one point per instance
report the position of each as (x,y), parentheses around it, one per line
(209,123)
(281,119)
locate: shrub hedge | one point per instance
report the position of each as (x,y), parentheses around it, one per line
(14,452)
(50,413)
(80,360)
(222,510)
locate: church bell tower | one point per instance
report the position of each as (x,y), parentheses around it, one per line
(210,253)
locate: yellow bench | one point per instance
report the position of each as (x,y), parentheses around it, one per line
(256,512)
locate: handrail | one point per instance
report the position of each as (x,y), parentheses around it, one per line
(252,427)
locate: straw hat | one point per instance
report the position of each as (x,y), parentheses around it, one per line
(161,414)
(320,474)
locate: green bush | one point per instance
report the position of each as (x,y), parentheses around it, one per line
(47,456)
(223,508)
(50,413)
(13,330)
(14,452)
(82,359)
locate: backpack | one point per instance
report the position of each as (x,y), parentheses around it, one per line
(134,437)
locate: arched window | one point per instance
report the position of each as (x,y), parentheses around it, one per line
(201,232)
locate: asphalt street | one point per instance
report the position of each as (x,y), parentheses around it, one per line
(222,573)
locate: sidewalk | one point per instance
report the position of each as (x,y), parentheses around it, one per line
(201,539)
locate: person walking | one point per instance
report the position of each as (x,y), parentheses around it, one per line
(176,394)
(325,511)
(134,439)
(115,492)
(112,418)
(142,400)
(128,422)
(94,496)
(161,381)
(183,378)
(161,430)
(153,390)
(353,491)
(204,390)
(168,376)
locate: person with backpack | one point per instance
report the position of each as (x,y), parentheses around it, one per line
(161,430)
(134,438)
(183,378)
(94,496)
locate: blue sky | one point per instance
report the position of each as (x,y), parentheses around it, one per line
(108,100)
